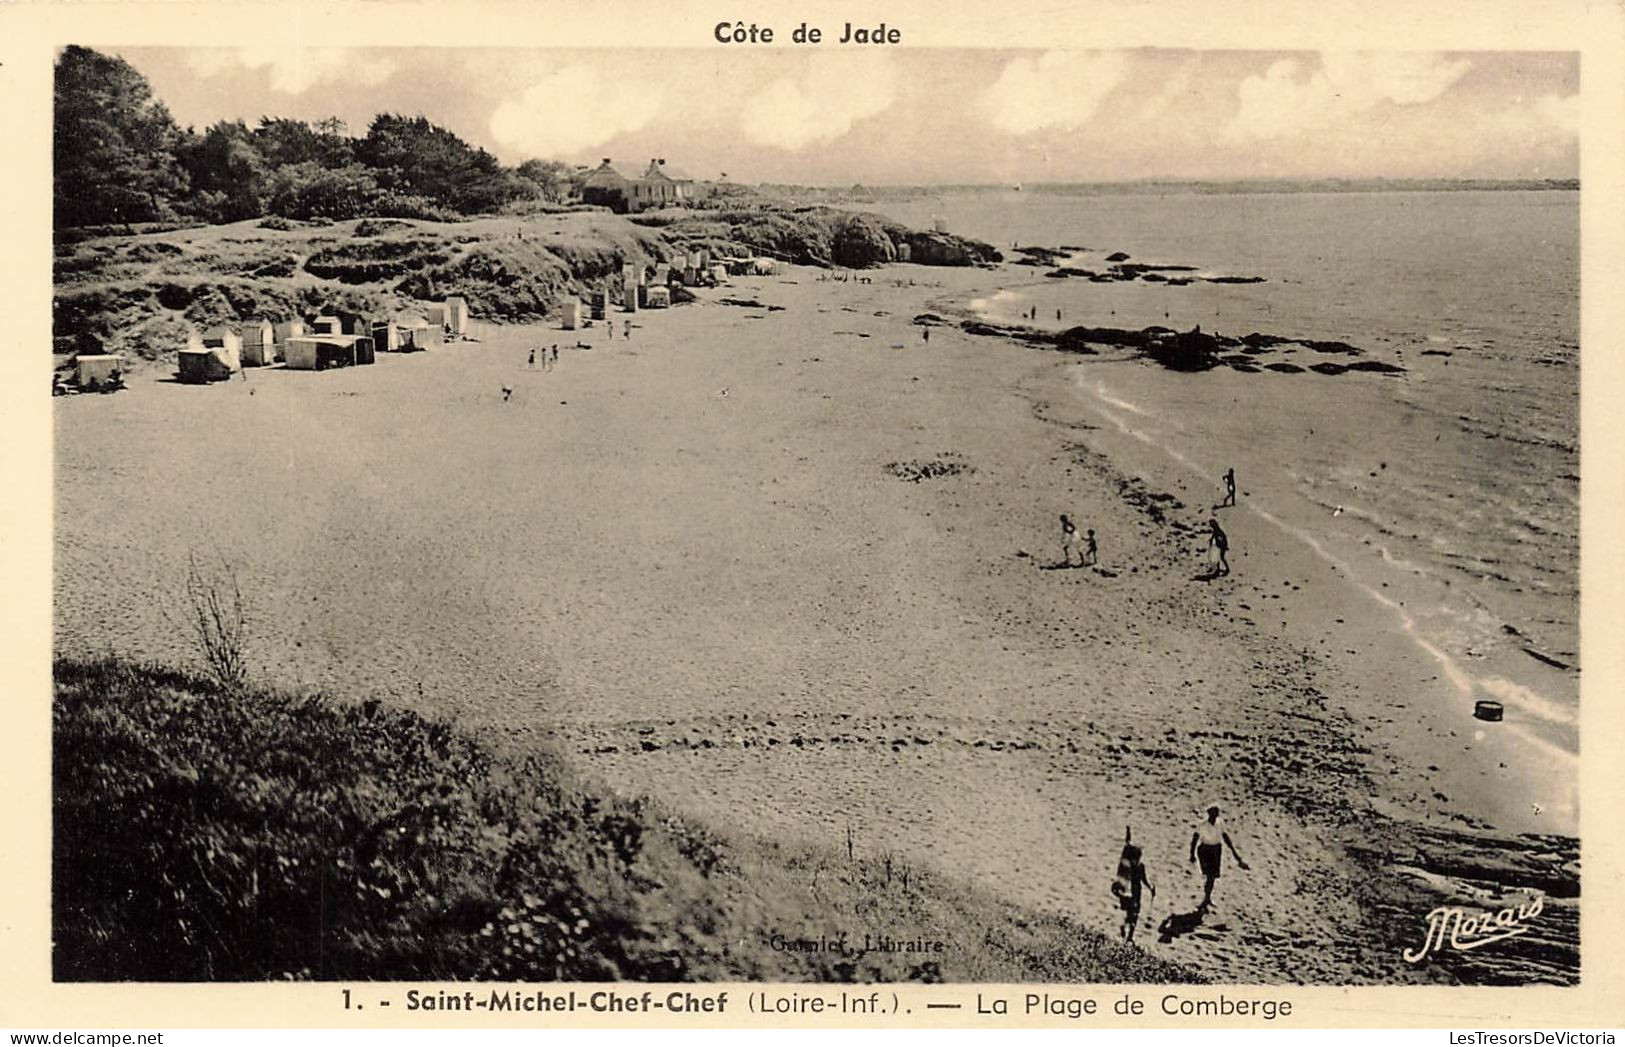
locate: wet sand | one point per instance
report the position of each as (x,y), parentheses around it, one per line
(683,558)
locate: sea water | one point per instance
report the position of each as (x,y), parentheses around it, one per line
(1463,470)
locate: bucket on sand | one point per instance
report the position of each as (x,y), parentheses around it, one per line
(1487,710)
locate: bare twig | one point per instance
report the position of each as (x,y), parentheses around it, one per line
(218,620)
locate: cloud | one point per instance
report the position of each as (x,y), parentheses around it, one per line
(575,108)
(823,103)
(296,70)
(1545,129)
(1179,86)
(1057,89)
(1560,115)
(1287,98)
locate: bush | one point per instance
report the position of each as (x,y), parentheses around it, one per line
(206,834)
(368,261)
(378,226)
(309,190)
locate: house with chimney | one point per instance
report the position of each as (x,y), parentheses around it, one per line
(658,186)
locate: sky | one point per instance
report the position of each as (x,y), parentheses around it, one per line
(930,116)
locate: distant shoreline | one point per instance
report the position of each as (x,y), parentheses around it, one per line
(1216,188)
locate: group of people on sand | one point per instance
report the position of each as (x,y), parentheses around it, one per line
(1217,540)
(1208,843)
(550,358)
(1089,550)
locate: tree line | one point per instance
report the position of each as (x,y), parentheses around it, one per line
(120,158)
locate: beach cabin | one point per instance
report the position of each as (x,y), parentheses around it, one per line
(288,329)
(386,337)
(356,329)
(412,333)
(259,344)
(457,315)
(599,300)
(659,297)
(905,253)
(227,347)
(198,364)
(570,314)
(322,351)
(719,274)
(939,223)
(629,288)
(436,315)
(96,371)
(299,353)
(327,325)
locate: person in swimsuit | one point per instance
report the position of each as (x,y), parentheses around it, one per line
(1091,550)
(1069,538)
(1217,539)
(1229,486)
(1207,847)
(1131,876)
(532,364)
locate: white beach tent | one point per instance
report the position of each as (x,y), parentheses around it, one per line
(457,315)
(259,344)
(98,370)
(415,333)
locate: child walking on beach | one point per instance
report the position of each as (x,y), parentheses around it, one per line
(1131,876)
(1091,550)
(1229,486)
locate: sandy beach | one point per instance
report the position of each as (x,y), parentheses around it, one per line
(701,559)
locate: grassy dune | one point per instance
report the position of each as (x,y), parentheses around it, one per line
(138,294)
(211,834)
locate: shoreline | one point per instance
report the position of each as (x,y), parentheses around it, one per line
(672,547)
(1418,603)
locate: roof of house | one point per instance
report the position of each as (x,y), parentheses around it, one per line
(661,169)
(607,172)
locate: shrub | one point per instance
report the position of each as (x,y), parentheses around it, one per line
(202,833)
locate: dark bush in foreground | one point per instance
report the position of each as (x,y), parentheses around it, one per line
(207,835)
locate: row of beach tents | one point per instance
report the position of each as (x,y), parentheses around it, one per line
(340,339)
(343,339)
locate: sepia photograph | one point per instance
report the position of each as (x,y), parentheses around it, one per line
(732,512)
